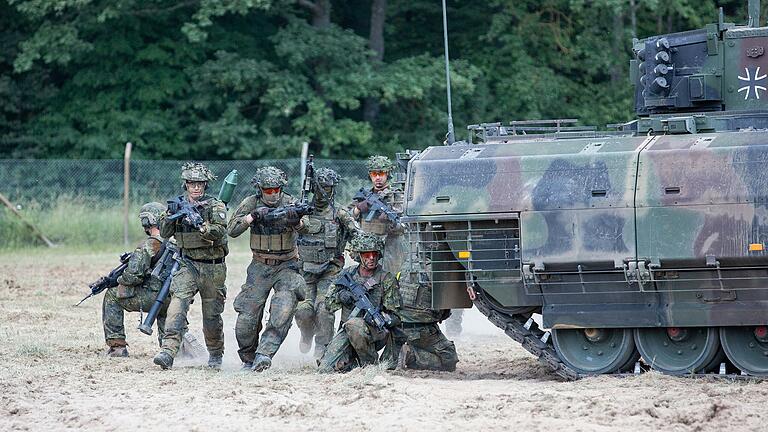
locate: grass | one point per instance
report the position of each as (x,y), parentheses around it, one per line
(69,221)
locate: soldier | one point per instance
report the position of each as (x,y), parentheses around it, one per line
(322,240)
(202,268)
(425,345)
(138,287)
(379,171)
(274,266)
(357,342)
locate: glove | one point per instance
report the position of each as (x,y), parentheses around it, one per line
(258,213)
(345,297)
(363,206)
(394,320)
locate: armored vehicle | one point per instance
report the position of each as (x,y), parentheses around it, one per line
(647,240)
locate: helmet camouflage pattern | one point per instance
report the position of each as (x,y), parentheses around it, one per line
(366,242)
(193,171)
(269,177)
(149,213)
(379,163)
(327,177)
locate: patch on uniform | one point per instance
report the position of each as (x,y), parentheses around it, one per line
(223,215)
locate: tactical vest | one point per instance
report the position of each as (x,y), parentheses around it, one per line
(273,239)
(190,238)
(414,294)
(321,242)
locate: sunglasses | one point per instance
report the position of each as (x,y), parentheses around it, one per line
(369,255)
(270,191)
(377,173)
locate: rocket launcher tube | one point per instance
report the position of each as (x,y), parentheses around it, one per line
(228,187)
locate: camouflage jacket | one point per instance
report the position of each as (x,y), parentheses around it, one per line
(380,225)
(211,243)
(140,263)
(416,297)
(323,238)
(382,291)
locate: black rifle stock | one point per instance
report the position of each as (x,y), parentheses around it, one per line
(376,205)
(146,326)
(108,281)
(373,314)
(279,213)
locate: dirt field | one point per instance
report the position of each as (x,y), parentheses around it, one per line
(54,377)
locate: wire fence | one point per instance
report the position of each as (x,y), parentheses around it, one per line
(60,195)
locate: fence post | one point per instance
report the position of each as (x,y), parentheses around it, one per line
(126,190)
(304,153)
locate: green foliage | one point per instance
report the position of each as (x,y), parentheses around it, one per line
(255,78)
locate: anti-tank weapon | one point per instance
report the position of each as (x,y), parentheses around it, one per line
(146,326)
(108,281)
(181,208)
(373,315)
(228,187)
(375,205)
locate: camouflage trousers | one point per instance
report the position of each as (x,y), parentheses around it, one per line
(249,304)
(311,315)
(191,278)
(355,344)
(116,303)
(426,347)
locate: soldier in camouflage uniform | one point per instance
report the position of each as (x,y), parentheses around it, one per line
(379,171)
(322,240)
(202,269)
(425,346)
(138,287)
(358,342)
(274,266)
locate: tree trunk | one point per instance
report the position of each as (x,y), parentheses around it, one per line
(617,71)
(321,12)
(371,105)
(633,17)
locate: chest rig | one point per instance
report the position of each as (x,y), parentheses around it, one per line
(275,238)
(320,244)
(190,238)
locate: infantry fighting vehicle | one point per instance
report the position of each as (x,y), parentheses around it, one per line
(648,240)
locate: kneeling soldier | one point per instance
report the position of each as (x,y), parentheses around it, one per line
(321,250)
(274,266)
(138,285)
(358,341)
(425,345)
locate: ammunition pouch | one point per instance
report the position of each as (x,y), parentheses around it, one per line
(280,243)
(414,294)
(320,244)
(375,226)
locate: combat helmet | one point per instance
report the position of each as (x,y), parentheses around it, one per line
(327,177)
(366,242)
(379,163)
(194,171)
(269,177)
(149,214)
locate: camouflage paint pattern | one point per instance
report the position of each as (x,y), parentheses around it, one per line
(661,224)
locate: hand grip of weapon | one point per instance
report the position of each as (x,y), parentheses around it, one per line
(146,326)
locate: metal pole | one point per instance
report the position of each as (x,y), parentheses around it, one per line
(126,190)
(450,138)
(304,153)
(754,13)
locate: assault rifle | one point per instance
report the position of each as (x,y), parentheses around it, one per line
(278,214)
(376,205)
(179,208)
(373,314)
(146,326)
(108,281)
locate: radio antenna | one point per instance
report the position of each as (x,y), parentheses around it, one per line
(450,138)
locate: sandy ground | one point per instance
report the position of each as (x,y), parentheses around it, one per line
(54,377)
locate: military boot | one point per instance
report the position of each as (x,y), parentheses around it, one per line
(117,351)
(261,363)
(117,348)
(214,361)
(164,360)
